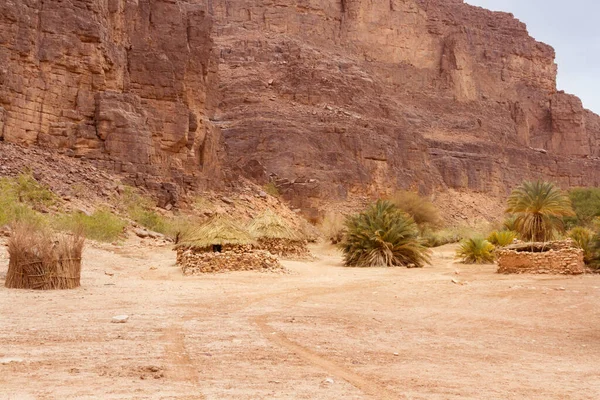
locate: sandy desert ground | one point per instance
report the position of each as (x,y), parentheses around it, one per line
(321,331)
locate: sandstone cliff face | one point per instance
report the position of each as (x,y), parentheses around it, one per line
(122,82)
(330,98)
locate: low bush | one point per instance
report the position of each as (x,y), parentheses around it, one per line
(18,198)
(382,235)
(502,238)
(439,238)
(421,210)
(272,189)
(584,238)
(102,225)
(180,228)
(141,209)
(476,251)
(586,204)
(333,227)
(510,223)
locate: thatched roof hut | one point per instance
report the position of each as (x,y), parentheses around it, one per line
(218,231)
(275,235)
(222,245)
(271,226)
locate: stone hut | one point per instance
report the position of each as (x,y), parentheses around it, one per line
(273,234)
(559,257)
(221,245)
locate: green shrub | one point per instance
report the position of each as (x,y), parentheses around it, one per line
(102,225)
(476,251)
(28,190)
(539,208)
(594,259)
(439,238)
(422,211)
(141,209)
(272,189)
(502,238)
(382,235)
(584,239)
(586,204)
(509,223)
(19,196)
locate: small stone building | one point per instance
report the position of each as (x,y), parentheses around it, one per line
(273,234)
(221,245)
(559,257)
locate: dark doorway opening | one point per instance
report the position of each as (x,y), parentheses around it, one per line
(217,248)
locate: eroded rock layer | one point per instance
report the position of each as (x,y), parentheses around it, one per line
(329,98)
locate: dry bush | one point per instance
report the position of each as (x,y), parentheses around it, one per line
(333,226)
(422,211)
(40,261)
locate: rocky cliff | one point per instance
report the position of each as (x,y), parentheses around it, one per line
(328,98)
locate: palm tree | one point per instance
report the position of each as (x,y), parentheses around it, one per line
(538,207)
(476,251)
(382,236)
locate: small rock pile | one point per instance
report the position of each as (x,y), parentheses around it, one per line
(240,258)
(562,257)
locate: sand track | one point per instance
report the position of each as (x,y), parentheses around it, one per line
(378,333)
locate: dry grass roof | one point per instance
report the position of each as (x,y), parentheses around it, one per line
(271,226)
(218,230)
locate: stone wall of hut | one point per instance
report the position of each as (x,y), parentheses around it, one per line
(284,247)
(562,258)
(231,258)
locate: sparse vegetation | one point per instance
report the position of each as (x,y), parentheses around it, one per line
(594,259)
(584,238)
(432,238)
(476,251)
(586,205)
(509,223)
(502,238)
(102,225)
(382,235)
(271,189)
(421,210)
(141,209)
(333,227)
(20,199)
(539,208)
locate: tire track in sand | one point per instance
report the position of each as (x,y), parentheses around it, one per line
(364,384)
(182,366)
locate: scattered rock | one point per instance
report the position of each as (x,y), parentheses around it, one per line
(120,319)
(141,233)
(9,360)
(227,200)
(329,381)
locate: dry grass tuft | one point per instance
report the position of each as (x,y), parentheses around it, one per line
(40,261)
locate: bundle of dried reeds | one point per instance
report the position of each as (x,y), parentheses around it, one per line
(40,261)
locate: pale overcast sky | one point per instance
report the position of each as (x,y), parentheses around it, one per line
(573,28)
